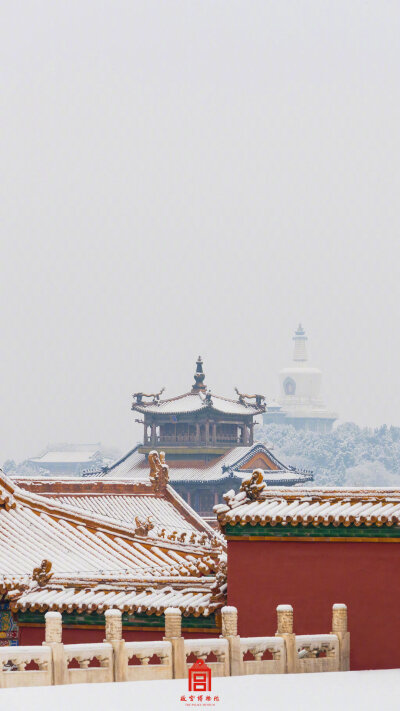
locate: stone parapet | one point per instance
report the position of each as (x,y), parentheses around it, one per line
(228,655)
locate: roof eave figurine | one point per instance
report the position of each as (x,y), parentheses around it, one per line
(139,397)
(260,399)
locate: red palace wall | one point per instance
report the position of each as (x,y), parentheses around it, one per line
(312,576)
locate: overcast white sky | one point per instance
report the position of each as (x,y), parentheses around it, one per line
(188,177)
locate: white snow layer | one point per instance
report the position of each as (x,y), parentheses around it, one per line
(359,691)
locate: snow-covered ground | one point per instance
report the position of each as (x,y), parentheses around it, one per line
(358,691)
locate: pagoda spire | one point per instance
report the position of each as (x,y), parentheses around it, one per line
(199,376)
(300,338)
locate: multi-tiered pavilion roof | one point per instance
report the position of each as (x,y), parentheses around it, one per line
(198,418)
(208,441)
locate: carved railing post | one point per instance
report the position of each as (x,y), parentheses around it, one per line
(285,630)
(53,639)
(113,619)
(173,633)
(53,628)
(339,628)
(229,616)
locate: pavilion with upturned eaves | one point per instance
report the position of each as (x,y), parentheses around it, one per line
(198,419)
(208,441)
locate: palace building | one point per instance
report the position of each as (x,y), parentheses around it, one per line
(312,548)
(300,403)
(67,459)
(80,547)
(207,424)
(208,441)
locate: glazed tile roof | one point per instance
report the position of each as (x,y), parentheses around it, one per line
(192,600)
(312,507)
(194,402)
(134,466)
(122,501)
(125,508)
(88,552)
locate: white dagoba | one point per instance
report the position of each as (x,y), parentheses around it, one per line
(300,403)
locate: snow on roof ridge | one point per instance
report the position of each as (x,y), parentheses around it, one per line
(51,505)
(124,457)
(86,554)
(199,394)
(171,399)
(221,468)
(202,402)
(308,506)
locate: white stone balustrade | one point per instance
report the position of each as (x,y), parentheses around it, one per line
(202,648)
(84,654)
(113,620)
(13,663)
(339,628)
(53,632)
(144,652)
(318,652)
(227,655)
(257,647)
(229,619)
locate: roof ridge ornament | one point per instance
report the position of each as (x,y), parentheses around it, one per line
(7,491)
(159,471)
(144,524)
(156,396)
(220,585)
(260,399)
(199,377)
(207,399)
(254,486)
(43,573)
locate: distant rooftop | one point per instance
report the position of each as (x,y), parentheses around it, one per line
(61,456)
(69,454)
(228,467)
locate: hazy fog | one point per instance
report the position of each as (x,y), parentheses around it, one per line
(195,177)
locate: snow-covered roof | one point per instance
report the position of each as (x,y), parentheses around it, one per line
(89,552)
(69,457)
(191,599)
(122,501)
(134,465)
(310,507)
(194,402)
